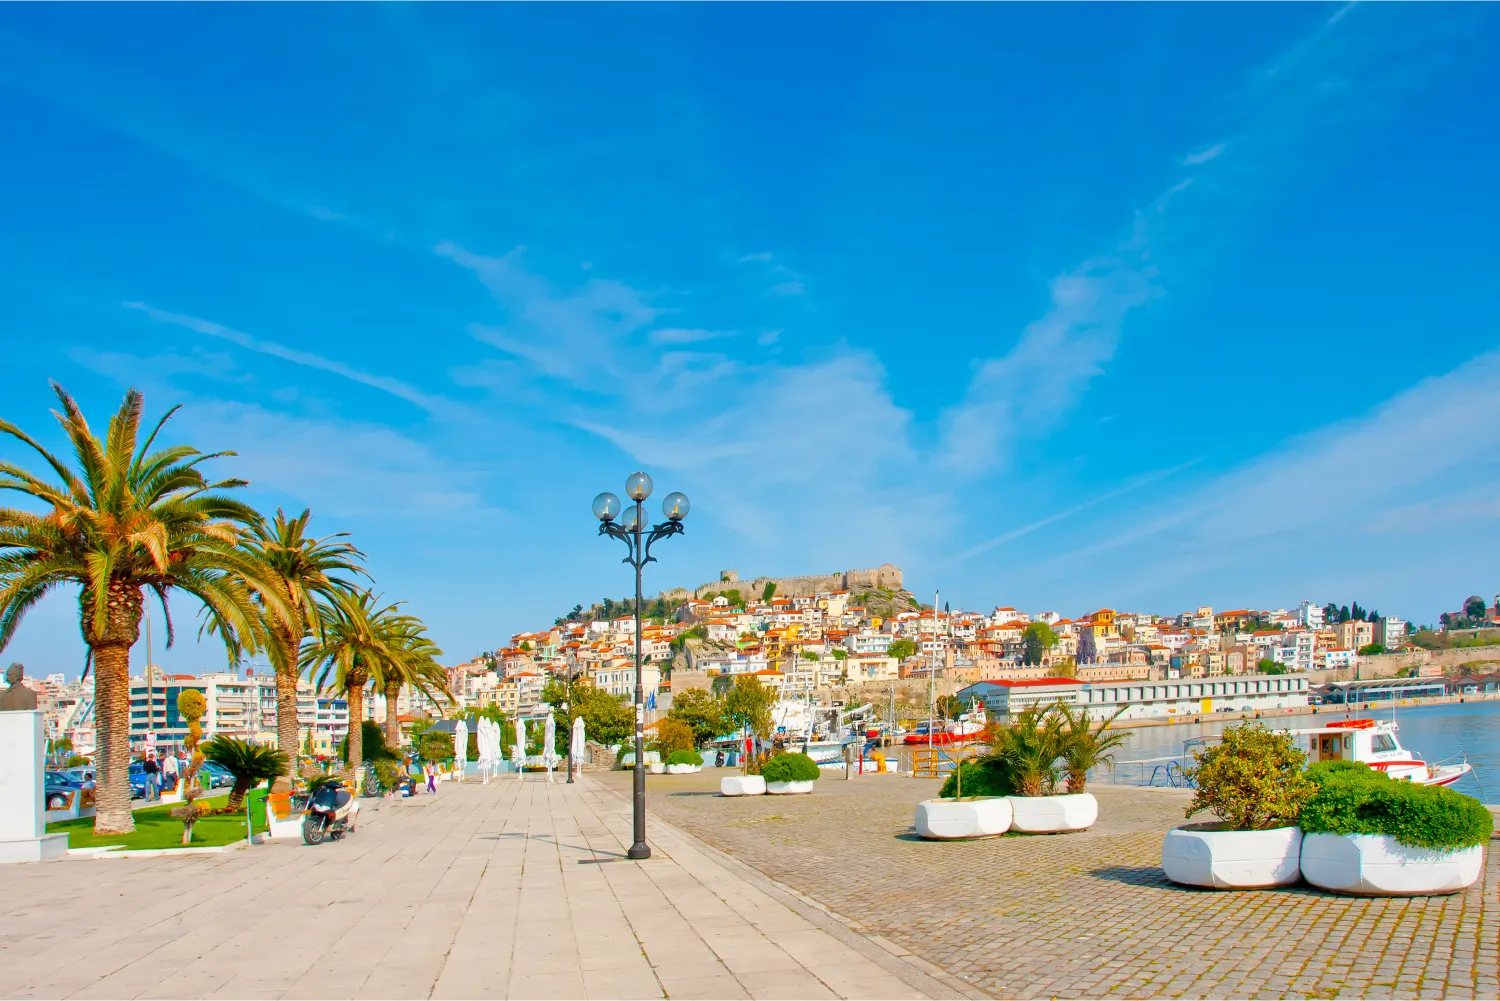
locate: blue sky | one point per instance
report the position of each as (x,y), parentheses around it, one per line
(1138,306)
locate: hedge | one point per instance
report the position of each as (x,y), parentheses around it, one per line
(1353,798)
(790,768)
(979,778)
(684,758)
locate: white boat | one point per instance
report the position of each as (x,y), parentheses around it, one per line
(1374,743)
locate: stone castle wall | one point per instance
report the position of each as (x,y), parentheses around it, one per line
(886,576)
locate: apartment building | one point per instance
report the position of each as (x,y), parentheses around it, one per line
(241,706)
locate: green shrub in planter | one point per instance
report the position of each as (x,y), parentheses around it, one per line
(684,758)
(1253,779)
(790,768)
(1353,798)
(979,778)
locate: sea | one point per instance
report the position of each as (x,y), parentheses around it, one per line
(1443,734)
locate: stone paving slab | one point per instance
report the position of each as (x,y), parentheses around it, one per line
(515,889)
(1087,914)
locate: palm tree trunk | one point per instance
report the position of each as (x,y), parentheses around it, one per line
(392,723)
(355,741)
(237,795)
(288,730)
(112,736)
(1077,779)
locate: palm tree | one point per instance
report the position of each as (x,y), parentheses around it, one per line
(1084,746)
(415,665)
(129,518)
(1029,749)
(249,762)
(303,569)
(352,647)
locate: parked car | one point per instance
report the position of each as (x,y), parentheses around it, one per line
(81,773)
(212,775)
(59,789)
(137,780)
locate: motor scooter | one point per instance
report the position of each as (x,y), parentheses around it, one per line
(332,812)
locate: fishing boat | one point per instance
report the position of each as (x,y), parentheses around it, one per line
(946,732)
(1374,743)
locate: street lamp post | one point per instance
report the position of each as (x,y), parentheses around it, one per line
(631,529)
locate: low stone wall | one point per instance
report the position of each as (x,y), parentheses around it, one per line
(1390,665)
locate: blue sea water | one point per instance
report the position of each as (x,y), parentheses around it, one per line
(1445,733)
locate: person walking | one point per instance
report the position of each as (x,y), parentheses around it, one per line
(153,778)
(431,774)
(169,773)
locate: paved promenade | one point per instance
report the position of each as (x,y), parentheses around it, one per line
(1088,914)
(511,890)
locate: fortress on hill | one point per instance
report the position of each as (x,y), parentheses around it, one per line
(883,576)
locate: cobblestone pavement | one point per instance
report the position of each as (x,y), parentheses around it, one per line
(507,890)
(1087,914)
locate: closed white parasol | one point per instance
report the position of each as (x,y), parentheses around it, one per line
(549,743)
(460,749)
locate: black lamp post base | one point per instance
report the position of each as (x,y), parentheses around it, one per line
(639,850)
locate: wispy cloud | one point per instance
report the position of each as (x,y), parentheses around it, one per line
(1029,388)
(1016,533)
(395,387)
(1328,502)
(1204,155)
(785,283)
(677,335)
(577,335)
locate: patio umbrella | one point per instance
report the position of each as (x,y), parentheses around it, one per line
(549,743)
(460,748)
(518,749)
(575,746)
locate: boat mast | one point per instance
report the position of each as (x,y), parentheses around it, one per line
(931,667)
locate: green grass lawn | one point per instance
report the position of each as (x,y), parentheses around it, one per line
(155,827)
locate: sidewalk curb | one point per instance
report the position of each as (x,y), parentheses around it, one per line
(114,851)
(912,970)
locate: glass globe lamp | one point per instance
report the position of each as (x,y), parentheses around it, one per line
(638,486)
(606,506)
(675,506)
(627,520)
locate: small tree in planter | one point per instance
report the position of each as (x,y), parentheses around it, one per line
(1032,748)
(1366,833)
(790,773)
(249,762)
(1253,780)
(671,736)
(680,762)
(973,803)
(1085,746)
(1029,748)
(191,705)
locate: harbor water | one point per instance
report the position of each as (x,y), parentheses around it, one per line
(1440,734)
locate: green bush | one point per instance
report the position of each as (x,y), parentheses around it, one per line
(790,768)
(1322,770)
(1253,779)
(979,778)
(684,758)
(1353,798)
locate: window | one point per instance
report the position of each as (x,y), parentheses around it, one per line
(1381,742)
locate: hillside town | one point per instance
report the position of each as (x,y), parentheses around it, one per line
(805,635)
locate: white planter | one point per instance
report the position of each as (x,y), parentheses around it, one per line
(1379,865)
(1231,860)
(940,819)
(656,767)
(789,788)
(742,785)
(1053,814)
(681,769)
